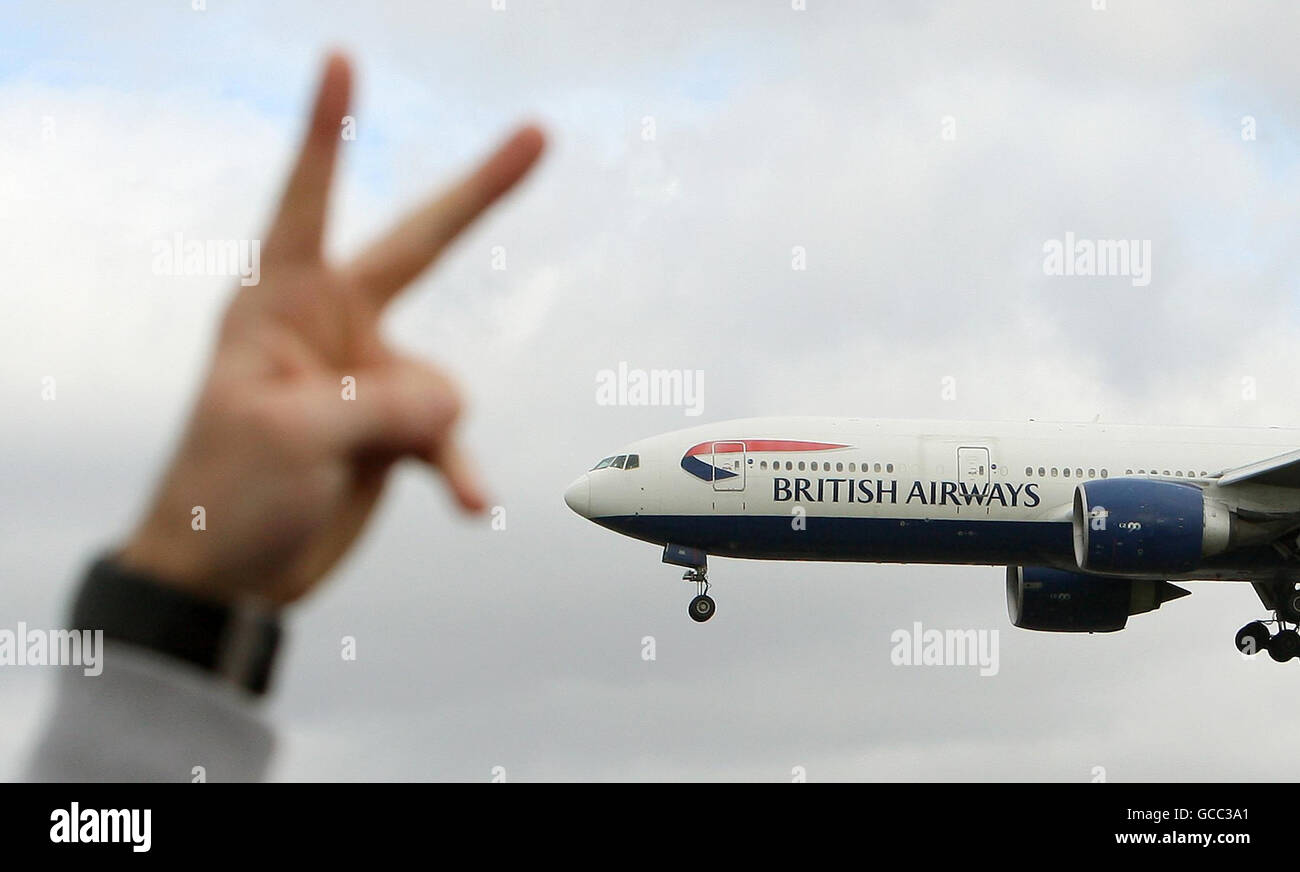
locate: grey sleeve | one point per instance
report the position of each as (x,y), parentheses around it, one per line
(147,717)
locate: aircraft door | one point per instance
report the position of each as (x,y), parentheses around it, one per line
(729,466)
(973,466)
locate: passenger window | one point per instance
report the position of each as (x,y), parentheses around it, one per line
(788,466)
(604,463)
(1103,472)
(814,466)
(801,466)
(853,467)
(1092,473)
(877,467)
(1029,470)
(1053,472)
(1066,472)
(633,461)
(839,467)
(889,467)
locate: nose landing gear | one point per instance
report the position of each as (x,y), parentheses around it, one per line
(697,569)
(702,606)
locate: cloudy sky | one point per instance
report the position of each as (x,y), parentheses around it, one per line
(920,153)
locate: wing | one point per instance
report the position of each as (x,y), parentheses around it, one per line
(1280,471)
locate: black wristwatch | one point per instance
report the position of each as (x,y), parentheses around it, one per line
(236,643)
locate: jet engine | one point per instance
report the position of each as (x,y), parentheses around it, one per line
(1136,526)
(1069,602)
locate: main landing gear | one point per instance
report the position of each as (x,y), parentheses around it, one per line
(1282,646)
(702,606)
(1283,597)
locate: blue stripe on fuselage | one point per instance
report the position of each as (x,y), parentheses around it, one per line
(704,471)
(884,540)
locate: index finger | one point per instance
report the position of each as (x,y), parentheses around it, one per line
(390,264)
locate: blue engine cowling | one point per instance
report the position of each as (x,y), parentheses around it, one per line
(1145,526)
(1069,602)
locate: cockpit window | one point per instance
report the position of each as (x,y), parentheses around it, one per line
(620,461)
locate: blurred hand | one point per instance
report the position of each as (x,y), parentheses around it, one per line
(286,469)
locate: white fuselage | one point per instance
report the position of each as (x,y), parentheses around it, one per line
(913,491)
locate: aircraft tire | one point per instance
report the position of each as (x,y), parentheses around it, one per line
(1284,646)
(1252,638)
(703,607)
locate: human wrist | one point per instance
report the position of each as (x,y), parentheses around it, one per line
(169,561)
(235,642)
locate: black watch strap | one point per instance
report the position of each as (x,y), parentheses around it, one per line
(235,642)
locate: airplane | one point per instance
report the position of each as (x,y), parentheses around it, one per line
(1094,522)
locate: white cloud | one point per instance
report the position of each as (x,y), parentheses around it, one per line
(774,129)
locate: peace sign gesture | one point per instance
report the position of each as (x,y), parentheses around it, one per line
(305,409)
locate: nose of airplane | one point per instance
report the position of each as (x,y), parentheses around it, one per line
(578,495)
